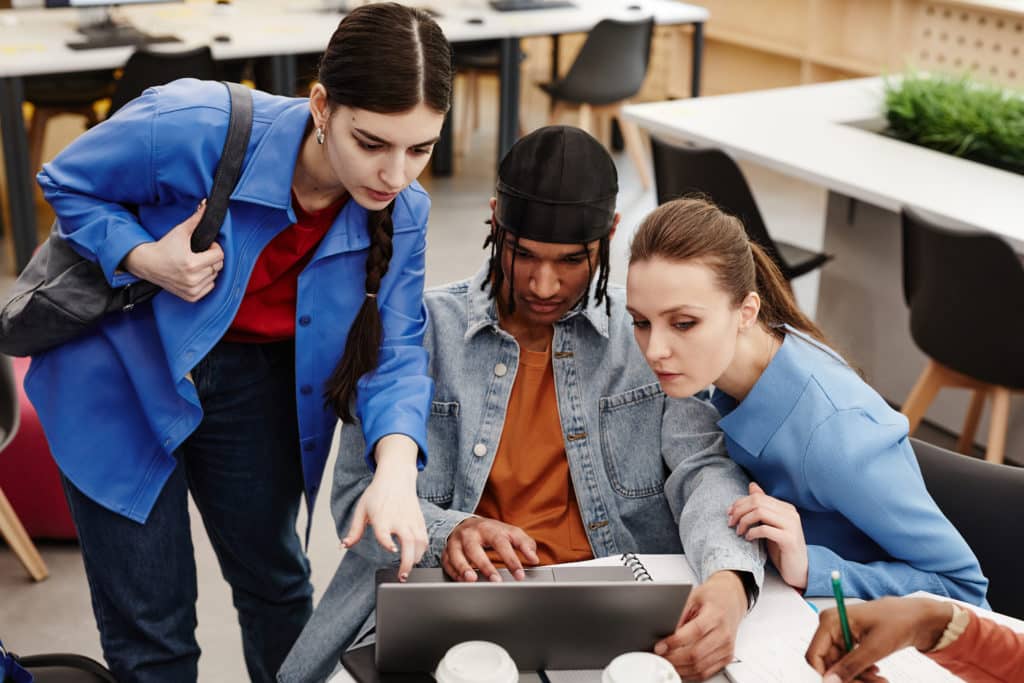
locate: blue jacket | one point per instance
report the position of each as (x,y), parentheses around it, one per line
(116,403)
(813,433)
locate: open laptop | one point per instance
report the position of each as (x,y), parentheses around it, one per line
(556,618)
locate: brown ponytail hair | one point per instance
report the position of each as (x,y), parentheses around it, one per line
(385,58)
(694,228)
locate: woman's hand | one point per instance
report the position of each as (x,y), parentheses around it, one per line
(879,628)
(390,504)
(778,523)
(171,264)
(705,636)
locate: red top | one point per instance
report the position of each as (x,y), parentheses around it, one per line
(267,313)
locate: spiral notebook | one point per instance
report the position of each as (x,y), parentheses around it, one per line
(645,567)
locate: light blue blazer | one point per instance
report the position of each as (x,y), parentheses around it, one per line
(813,433)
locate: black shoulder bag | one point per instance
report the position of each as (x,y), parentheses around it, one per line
(61,295)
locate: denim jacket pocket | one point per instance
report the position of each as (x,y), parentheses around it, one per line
(436,483)
(634,473)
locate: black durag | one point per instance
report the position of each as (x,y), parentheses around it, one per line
(558,185)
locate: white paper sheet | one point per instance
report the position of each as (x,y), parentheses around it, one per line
(773,638)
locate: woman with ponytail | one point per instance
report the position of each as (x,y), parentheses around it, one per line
(837,486)
(230,383)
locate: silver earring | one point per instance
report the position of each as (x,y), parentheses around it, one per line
(319,134)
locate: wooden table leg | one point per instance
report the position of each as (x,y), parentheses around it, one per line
(16,536)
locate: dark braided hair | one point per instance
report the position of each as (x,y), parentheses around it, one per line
(496,275)
(385,58)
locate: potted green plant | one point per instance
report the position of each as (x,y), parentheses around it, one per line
(958,116)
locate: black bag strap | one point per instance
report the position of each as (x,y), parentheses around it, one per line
(229,168)
(224,180)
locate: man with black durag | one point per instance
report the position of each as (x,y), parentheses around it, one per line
(550,439)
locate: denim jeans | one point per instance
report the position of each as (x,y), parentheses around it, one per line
(243,468)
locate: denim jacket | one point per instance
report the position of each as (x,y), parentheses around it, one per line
(651,473)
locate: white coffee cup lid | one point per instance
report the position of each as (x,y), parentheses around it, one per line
(639,667)
(477,661)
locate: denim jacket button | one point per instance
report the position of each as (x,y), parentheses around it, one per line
(480,450)
(500,369)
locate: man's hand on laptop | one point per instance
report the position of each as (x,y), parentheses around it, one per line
(466,551)
(705,636)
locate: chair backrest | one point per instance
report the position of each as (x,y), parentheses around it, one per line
(682,171)
(612,64)
(983,501)
(66,668)
(477,54)
(146,69)
(966,297)
(10,406)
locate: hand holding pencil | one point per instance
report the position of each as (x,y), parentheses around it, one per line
(876,629)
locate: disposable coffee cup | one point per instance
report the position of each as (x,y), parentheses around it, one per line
(477,661)
(639,667)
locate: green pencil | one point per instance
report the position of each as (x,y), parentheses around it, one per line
(837,590)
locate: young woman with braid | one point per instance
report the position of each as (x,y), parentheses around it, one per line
(229,384)
(837,484)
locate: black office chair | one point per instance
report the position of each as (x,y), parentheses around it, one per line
(65,668)
(10,407)
(11,528)
(261,71)
(983,501)
(79,93)
(609,70)
(146,69)
(681,171)
(52,95)
(965,294)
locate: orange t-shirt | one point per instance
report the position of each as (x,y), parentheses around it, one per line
(529,485)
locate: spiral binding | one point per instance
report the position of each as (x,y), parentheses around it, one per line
(634,564)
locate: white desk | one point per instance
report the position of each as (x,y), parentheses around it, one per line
(803,133)
(344,677)
(772,638)
(779,629)
(35,44)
